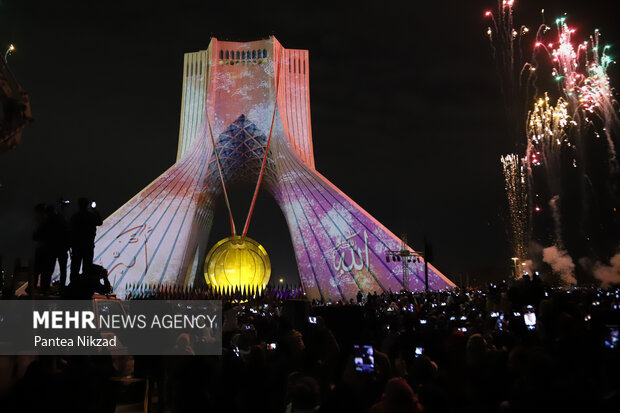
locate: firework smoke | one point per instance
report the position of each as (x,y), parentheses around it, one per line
(608,275)
(557,219)
(561,263)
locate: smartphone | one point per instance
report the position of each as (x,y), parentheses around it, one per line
(530,320)
(93,204)
(419,351)
(271,346)
(452,318)
(363,359)
(422,321)
(494,314)
(312,320)
(611,336)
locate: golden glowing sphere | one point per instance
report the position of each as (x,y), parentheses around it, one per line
(237,262)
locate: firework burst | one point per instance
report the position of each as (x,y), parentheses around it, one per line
(581,72)
(560,103)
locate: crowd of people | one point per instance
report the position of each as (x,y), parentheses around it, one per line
(511,347)
(514,346)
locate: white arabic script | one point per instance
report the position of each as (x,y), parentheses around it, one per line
(357,259)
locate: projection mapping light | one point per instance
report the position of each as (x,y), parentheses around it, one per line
(249,124)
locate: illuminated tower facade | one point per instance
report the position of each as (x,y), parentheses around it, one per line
(237,94)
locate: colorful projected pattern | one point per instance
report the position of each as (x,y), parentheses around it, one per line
(161,234)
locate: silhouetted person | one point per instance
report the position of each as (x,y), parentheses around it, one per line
(43,245)
(83,227)
(94,280)
(59,236)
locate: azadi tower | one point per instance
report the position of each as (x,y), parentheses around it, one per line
(237,95)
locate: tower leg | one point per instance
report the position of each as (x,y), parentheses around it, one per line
(340,248)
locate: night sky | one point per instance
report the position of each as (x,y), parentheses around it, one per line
(407,116)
